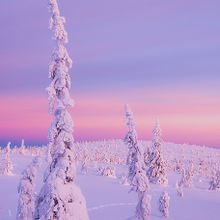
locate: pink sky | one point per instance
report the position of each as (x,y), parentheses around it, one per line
(160,57)
(184,118)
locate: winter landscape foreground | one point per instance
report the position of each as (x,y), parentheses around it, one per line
(107,196)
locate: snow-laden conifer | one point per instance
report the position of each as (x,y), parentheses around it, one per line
(186,180)
(156,167)
(26,188)
(109,170)
(147,154)
(140,184)
(49,158)
(8,164)
(157,133)
(131,136)
(60,198)
(136,175)
(97,157)
(124,180)
(180,191)
(135,157)
(178,164)
(22,148)
(105,158)
(215,180)
(164,204)
(85,167)
(177,185)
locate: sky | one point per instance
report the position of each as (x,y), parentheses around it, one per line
(160,57)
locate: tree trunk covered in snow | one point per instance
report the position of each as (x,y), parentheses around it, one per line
(60,198)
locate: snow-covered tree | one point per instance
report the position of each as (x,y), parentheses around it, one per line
(100,169)
(177,185)
(85,167)
(109,171)
(105,157)
(164,204)
(106,170)
(131,137)
(124,180)
(22,148)
(97,157)
(8,163)
(26,188)
(147,154)
(60,198)
(178,164)
(135,158)
(186,180)
(156,167)
(180,191)
(215,180)
(140,184)
(49,158)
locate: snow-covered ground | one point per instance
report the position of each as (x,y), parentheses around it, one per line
(107,199)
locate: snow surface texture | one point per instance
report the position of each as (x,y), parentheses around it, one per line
(107,199)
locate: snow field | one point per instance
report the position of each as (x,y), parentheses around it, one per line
(107,199)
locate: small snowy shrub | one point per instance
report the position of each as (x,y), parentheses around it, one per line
(176,185)
(8,163)
(22,148)
(26,188)
(85,167)
(100,169)
(180,191)
(164,204)
(124,180)
(186,180)
(109,171)
(178,165)
(215,180)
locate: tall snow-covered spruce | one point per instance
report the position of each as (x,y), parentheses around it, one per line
(60,198)
(8,163)
(135,160)
(156,164)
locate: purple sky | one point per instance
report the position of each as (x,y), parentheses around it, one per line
(161,57)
